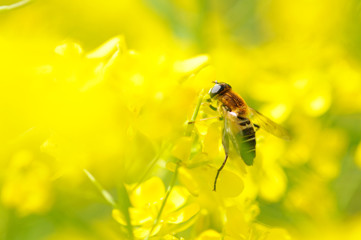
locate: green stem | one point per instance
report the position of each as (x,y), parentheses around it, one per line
(195,114)
(169,190)
(123,207)
(150,167)
(175,175)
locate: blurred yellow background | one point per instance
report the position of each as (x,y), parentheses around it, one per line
(108,86)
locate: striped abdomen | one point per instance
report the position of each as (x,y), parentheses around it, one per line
(248,140)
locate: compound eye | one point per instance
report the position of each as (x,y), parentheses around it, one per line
(215,90)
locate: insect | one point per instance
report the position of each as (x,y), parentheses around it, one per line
(238,128)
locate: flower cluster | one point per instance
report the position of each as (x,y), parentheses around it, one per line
(118,90)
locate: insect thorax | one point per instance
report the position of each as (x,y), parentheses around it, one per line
(232,102)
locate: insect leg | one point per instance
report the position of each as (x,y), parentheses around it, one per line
(208,102)
(256,127)
(203,119)
(212,107)
(225,143)
(218,171)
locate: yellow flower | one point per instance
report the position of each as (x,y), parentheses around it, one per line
(147,200)
(75,94)
(27,185)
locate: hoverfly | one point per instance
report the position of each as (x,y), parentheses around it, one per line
(238,128)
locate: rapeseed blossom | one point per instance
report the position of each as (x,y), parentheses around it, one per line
(103,128)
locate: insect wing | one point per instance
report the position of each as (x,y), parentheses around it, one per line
(268,125)
(233,131)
